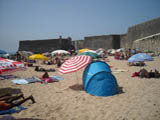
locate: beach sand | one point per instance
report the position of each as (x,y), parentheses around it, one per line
(139,99)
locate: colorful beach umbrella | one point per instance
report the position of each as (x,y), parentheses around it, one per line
(38,57)
(140,57)
(8,66)
(74,64)
(60,52)
(93,51)
(25,53)
(93,55)
(100,49)
(46,54)
(82,50)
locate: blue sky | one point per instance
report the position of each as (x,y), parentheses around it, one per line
(47,19)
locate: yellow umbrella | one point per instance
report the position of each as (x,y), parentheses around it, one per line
(38,56)
(82,50)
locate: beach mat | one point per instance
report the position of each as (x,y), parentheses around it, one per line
(26,80)
(12,110)
(56,77)
(3,77)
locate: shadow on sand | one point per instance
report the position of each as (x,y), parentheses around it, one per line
(120,90)
(10,91)
(77,87)
(13,118)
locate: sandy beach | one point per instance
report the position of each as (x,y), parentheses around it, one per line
(139,99)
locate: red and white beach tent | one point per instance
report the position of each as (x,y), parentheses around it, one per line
(8,66)
(74,64)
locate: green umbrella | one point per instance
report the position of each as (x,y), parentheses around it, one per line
(93,55)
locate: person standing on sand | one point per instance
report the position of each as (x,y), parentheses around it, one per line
(129,52)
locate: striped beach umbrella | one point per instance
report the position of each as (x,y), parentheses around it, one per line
(8,66)
(74,64)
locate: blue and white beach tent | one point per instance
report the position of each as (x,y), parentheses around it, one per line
(98,79)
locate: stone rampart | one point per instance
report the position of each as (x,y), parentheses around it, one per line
(124,41)
(136,32)
(103,41)
(78,44)
(151,43)
(47,45)
(143,30)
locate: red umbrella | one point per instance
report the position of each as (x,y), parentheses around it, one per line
(7,66)
(74,64)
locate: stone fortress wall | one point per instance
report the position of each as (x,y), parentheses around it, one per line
(136,32)
(47,45)
(143,30)
(103,41)
(151,43)
(139,36)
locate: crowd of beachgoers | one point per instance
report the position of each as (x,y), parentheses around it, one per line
(60,96)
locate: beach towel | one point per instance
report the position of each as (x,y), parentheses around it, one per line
(20,81)
(26,80)
(32,80)
(115,72)
(51,79)
(120,70)
(12,110)
(2,77)
(57,78)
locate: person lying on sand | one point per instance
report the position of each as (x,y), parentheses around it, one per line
(47,79)
(143,73)
(137,64)
(8,101)
(43,69)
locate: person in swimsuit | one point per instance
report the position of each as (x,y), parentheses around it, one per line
(8,101)
(143,73)
(45,75)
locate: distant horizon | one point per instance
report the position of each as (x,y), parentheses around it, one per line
(39,19)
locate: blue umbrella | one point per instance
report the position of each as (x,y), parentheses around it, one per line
(140,57)
(3,52)
(133,51)
(77,51)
